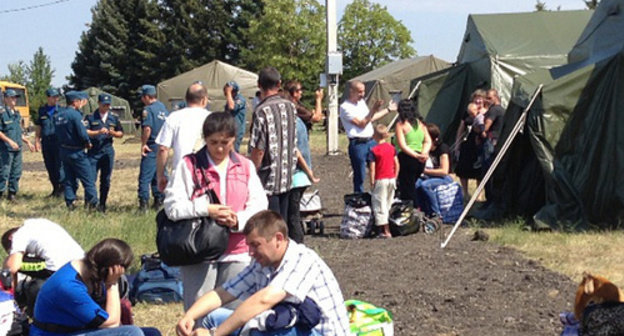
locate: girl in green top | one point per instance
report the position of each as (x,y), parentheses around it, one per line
(414,144)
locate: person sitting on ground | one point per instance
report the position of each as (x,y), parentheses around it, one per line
(67,301)
(384,169)
(413,143)
(435,176)
(282,270)
(234,180)
(38,248)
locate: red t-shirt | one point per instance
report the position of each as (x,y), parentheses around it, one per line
(383,156)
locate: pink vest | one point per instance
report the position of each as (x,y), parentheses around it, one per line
(237,190)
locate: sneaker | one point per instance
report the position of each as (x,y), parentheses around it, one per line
(101,208)
(11,197)
(143,206)
(71,206)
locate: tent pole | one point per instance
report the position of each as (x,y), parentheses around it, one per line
(517,127)
(391,124)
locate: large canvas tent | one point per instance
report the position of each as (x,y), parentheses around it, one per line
(497,48)
(213,75)
(395,77)
(567,168)
(119,106)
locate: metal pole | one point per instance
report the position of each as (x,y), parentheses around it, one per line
(517,127)
(332,81)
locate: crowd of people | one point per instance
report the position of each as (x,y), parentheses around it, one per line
(265,264)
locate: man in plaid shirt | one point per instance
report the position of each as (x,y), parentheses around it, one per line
(282,271)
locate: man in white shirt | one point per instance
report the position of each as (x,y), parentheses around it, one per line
(38,248)
(182,131)
(357,121)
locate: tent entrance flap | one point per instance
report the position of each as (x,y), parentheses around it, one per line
(517,127)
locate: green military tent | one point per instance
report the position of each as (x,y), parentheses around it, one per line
(394,78)
(119,106)
(566,170)
(213,75)
(497,48)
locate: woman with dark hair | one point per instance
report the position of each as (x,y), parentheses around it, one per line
(234,180)
(66,304)
(413,143)
(294,92)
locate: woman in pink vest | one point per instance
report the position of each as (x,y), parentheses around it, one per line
(233,178)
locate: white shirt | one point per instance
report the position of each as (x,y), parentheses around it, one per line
(46,240)
(182,131)
(349,111)
(302,273)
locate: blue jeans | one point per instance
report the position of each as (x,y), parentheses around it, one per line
(77,166)
(219,315)
(147,176)
(239,118)
(126,330)
(103,160)
(358,151)
(10,170)
(425,191)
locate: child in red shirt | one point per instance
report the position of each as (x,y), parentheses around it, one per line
(384,169)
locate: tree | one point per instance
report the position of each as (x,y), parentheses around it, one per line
(18,73)
(370,37)
(290,36)
(591,4)
(40,75)
(540,6)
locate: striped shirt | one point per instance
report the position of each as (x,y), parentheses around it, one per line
(302,273)
(273,132)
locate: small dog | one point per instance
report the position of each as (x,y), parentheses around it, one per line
(595,289)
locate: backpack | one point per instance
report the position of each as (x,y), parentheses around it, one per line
(156,282)
(357,220)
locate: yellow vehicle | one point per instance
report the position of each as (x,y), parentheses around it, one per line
(22,100)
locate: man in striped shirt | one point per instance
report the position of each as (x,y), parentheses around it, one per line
(282,271)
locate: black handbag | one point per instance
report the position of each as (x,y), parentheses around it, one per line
(191,241)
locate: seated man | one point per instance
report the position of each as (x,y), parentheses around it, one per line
(282,271)
(38,249)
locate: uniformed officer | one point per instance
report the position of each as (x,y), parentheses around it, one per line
(45,139)
(237,107)
(73,139)
(11,139)
(102,126)
(153,116)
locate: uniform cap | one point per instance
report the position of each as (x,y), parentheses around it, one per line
(52,92)
(70,96)
(104,98)
(147,90)
(234,86)
(10,93)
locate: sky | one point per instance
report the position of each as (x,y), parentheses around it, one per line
(437,26)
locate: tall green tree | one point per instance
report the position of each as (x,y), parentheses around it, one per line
(290,36)
(40,74)
(370,37)
(18,73)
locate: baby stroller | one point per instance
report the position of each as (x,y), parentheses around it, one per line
(311,213)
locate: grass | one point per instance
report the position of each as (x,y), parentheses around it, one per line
(570,254)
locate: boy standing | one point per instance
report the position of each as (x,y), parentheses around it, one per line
(384,169)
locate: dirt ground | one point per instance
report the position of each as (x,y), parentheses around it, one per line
(468,288)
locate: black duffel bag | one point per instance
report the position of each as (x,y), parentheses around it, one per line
(404,219)
(190,241)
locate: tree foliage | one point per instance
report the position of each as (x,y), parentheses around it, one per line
(290,36)
(40,75)
(540,6)
(18,73)
(591,4)
(370,37)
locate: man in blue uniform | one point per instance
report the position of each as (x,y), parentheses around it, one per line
(11,140)
(73,139)
(153,117)
(45,139)
(236,106)
(102,126)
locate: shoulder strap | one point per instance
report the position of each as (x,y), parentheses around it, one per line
(199,159)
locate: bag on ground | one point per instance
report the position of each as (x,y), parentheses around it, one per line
(367,320)
(403,219)
(357,220)
(156,282)
(451,201)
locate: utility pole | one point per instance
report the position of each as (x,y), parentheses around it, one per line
(333,69)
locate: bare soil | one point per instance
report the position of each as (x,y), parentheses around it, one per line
(468,288)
